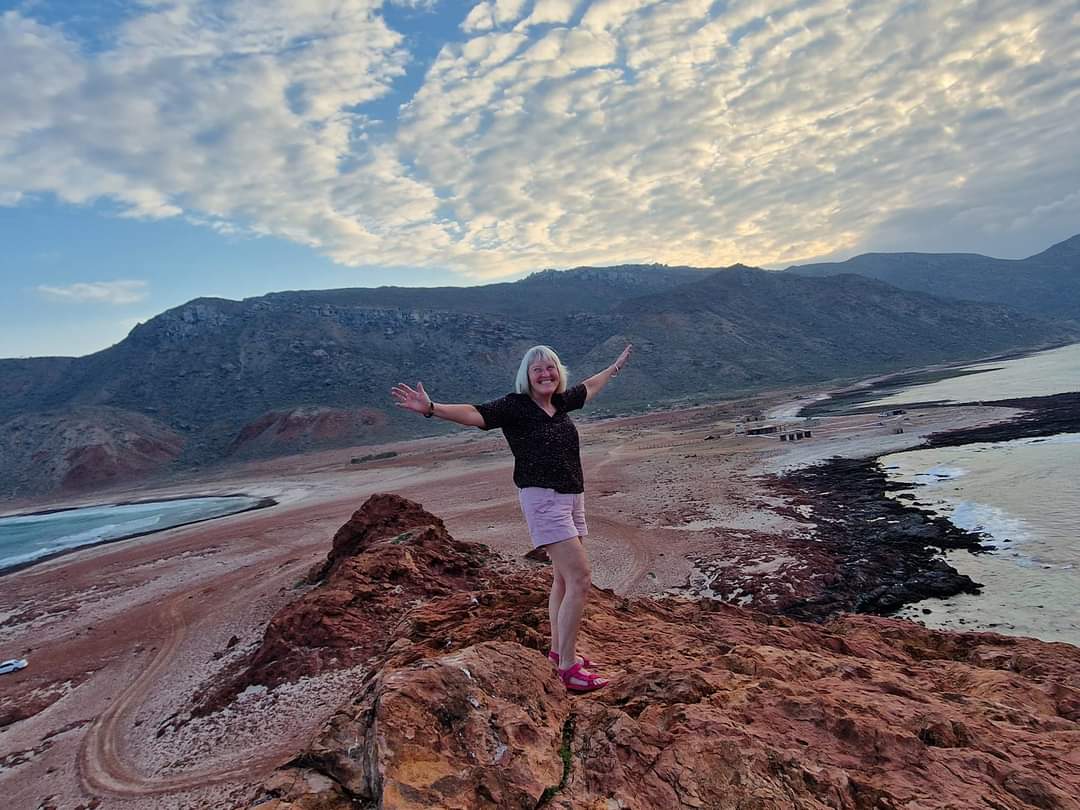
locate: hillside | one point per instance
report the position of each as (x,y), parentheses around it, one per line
(1046,284)
(295,371)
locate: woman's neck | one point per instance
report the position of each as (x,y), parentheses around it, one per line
(541,400)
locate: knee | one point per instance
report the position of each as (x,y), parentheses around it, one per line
(579,578)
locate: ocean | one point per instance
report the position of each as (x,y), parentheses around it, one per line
(28,538)
(1055,371)
(1023,495)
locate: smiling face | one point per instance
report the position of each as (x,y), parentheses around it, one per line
(540,374)
(544,377)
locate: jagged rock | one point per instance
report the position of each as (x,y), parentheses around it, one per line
(484,723)
(711,706)
(390,555)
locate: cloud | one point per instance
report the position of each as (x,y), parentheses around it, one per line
(97,292)
(548,12)
(559,132)
(769,133)
(487,15)
(237,111)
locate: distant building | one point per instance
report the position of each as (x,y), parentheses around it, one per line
(762,430)
(785,433)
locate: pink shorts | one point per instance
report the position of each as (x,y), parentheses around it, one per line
(552,516)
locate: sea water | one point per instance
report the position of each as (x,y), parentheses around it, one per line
(1055,371)
(26,538)
(1022,495)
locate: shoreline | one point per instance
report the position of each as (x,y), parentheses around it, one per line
(1042,416)
(883,554)
(848,401)
(134,502)
(262,503)
(852,496)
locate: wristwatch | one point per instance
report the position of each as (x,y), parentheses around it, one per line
(431,409)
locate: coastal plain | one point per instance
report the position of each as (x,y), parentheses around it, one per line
(123,638)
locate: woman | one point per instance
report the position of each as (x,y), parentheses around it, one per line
(547,471)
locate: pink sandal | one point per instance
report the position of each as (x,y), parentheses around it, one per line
(554,658)
(579,679)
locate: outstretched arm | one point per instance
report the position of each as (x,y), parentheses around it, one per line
(417,400)
(596,382)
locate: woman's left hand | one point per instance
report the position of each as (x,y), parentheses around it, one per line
(623,358)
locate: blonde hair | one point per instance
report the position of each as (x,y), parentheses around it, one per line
(521,382)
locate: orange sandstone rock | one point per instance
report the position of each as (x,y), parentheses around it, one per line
(711,706)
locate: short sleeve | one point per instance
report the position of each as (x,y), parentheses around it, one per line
(497,413)
(574,398)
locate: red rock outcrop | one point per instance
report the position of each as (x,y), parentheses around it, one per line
(305,428)
(711,706)
(82,449)
(389,556)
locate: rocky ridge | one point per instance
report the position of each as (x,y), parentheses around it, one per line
(215,370)
(1047,284)
(711,705)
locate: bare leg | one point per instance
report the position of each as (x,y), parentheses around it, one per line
(558,590)
(569,560)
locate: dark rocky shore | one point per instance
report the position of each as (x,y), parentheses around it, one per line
(880,553)
(1043,416)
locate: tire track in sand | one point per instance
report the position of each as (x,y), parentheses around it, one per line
(101,765)
(630,538)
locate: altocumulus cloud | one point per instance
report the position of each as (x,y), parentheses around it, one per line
(97,292)
(559,132)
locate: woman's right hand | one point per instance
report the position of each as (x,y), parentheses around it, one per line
(411,399)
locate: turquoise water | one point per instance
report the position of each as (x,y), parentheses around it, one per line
(27,538)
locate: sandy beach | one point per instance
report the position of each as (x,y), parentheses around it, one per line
(119,637)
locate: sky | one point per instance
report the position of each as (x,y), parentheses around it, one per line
(157,151)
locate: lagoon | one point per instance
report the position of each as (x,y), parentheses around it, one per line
(29,538)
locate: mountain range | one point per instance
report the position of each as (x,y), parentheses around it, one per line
(216,380)
(1046,284)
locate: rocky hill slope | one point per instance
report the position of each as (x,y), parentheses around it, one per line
(296,371)
(83,448)
(710,706)
(1046,284)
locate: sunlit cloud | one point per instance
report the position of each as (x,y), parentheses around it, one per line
(97,292)
(559,132)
